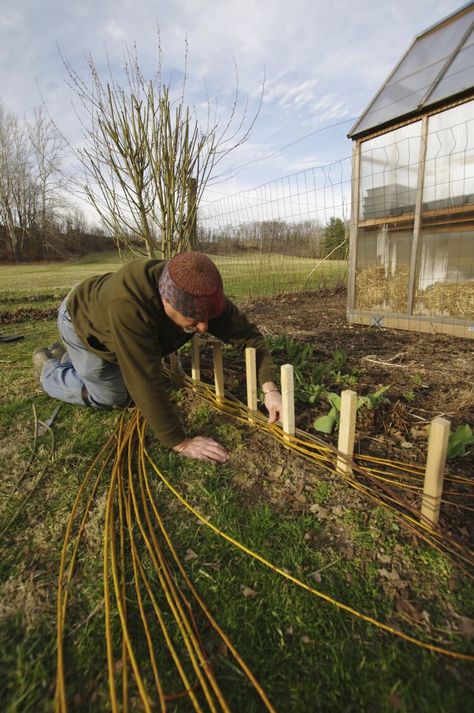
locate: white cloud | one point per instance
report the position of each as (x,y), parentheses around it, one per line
(11,20)
(323,60)
(116,31)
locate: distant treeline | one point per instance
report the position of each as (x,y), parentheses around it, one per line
(63,242)
(301,239)
(33,245)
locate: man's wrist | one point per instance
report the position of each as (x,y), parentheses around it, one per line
(181,446)
(269,386)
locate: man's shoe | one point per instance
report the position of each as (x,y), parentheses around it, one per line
(40,357)
(57,350)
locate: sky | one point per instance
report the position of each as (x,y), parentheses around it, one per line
(321,62)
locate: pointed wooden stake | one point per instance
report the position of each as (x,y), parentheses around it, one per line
(434,473)
(195,359)
(251,374)
(288,400)
(218,370)
(347,425)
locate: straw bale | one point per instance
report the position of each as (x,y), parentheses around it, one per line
(376,291)
(453,299)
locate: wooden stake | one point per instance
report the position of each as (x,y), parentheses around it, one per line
(174,363)
(434,473)
(347,425)
(195,359)
(218,370)
(251,374)
(288,400)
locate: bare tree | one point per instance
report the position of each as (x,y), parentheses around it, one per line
(15,204)
(29,187)
(146,157)
(47,147)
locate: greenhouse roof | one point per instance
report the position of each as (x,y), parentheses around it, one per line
(438,65)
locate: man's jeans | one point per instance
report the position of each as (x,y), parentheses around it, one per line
(80,370)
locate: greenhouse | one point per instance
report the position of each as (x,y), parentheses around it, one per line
(412,229)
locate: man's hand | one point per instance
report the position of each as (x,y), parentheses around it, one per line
(202,448)
(273,402)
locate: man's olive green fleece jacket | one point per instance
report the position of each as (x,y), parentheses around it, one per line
(120,317)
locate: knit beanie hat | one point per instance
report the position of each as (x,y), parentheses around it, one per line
(192,284)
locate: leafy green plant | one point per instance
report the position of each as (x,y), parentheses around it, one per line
(372,400)
(339,357)
(309,388)
(319,373)
(310,393)
(338,374)
(343,379)
(327,423)
(459,441)
(311,379)
(296,353)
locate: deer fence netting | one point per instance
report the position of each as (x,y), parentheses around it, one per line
(287,235)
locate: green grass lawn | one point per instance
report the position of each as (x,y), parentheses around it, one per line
(308,656)
(250,275)
(255,275)
(51,278)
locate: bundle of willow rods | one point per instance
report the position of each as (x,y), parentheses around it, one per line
(133,521)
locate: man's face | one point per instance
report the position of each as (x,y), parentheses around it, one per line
(189,324)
